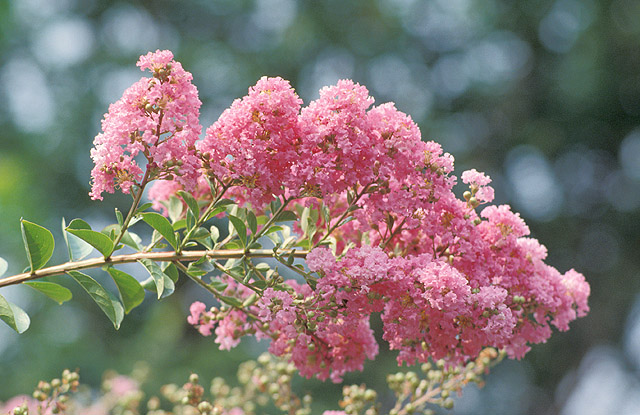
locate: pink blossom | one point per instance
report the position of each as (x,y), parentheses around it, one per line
(122,385)
(230,328)
(16,401)
(157,117)
(200,318)
(162,190)
(475,177)
(252,144)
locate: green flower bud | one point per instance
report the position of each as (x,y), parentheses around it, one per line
(448,403)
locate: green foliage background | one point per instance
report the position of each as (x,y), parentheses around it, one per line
(543,96)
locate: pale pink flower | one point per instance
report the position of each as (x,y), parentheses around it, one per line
(156,117)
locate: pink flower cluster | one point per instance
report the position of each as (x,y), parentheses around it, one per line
(448,280)
(229,325)
(157,117)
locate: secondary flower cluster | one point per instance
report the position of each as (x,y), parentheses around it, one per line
(158,117)
(448,280)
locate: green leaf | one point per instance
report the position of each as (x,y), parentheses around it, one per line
(232,245)
(218,285)
(38,243)
(131,291)
(250,300)
(232,301)
(273,229)
(162,225)
(215,234)
(175,208)
(191,202)
(240,228)
(304,220)
(98,240)
(286,216)
(326,215)
(56,292)
(200,233)
(76,247)
(143,207)
(252,222)
(259,284)
(215,212)
(172,272)
(3,266)
(179,224)
(129,238)
(117,307)
(195,271)
(119,217)
(191,220)
(14,316)
(101,297)
(164,284)
(223,202)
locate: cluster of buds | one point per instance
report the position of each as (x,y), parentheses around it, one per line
(438,383)
(359,400)
(272,379)
(53,395)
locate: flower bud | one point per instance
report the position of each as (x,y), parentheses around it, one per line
(194,378)
(205,407)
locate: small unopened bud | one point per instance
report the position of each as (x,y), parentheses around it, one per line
(205,407)
(448,403)
(46,387)
(194,378)
(467,195)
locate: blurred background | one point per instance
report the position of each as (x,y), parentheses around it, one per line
(543,96)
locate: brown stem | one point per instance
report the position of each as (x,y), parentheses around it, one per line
(168,256)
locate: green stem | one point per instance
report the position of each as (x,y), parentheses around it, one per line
(271,221)
(203,217)
(132,211)
(197,280)
(346,213)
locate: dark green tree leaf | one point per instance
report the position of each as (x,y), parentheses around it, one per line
(287,216)
(191,202)
(252,222)
(101,296)
(162,225)
(38,243)
(131,291)
(240,228)
(98,240)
